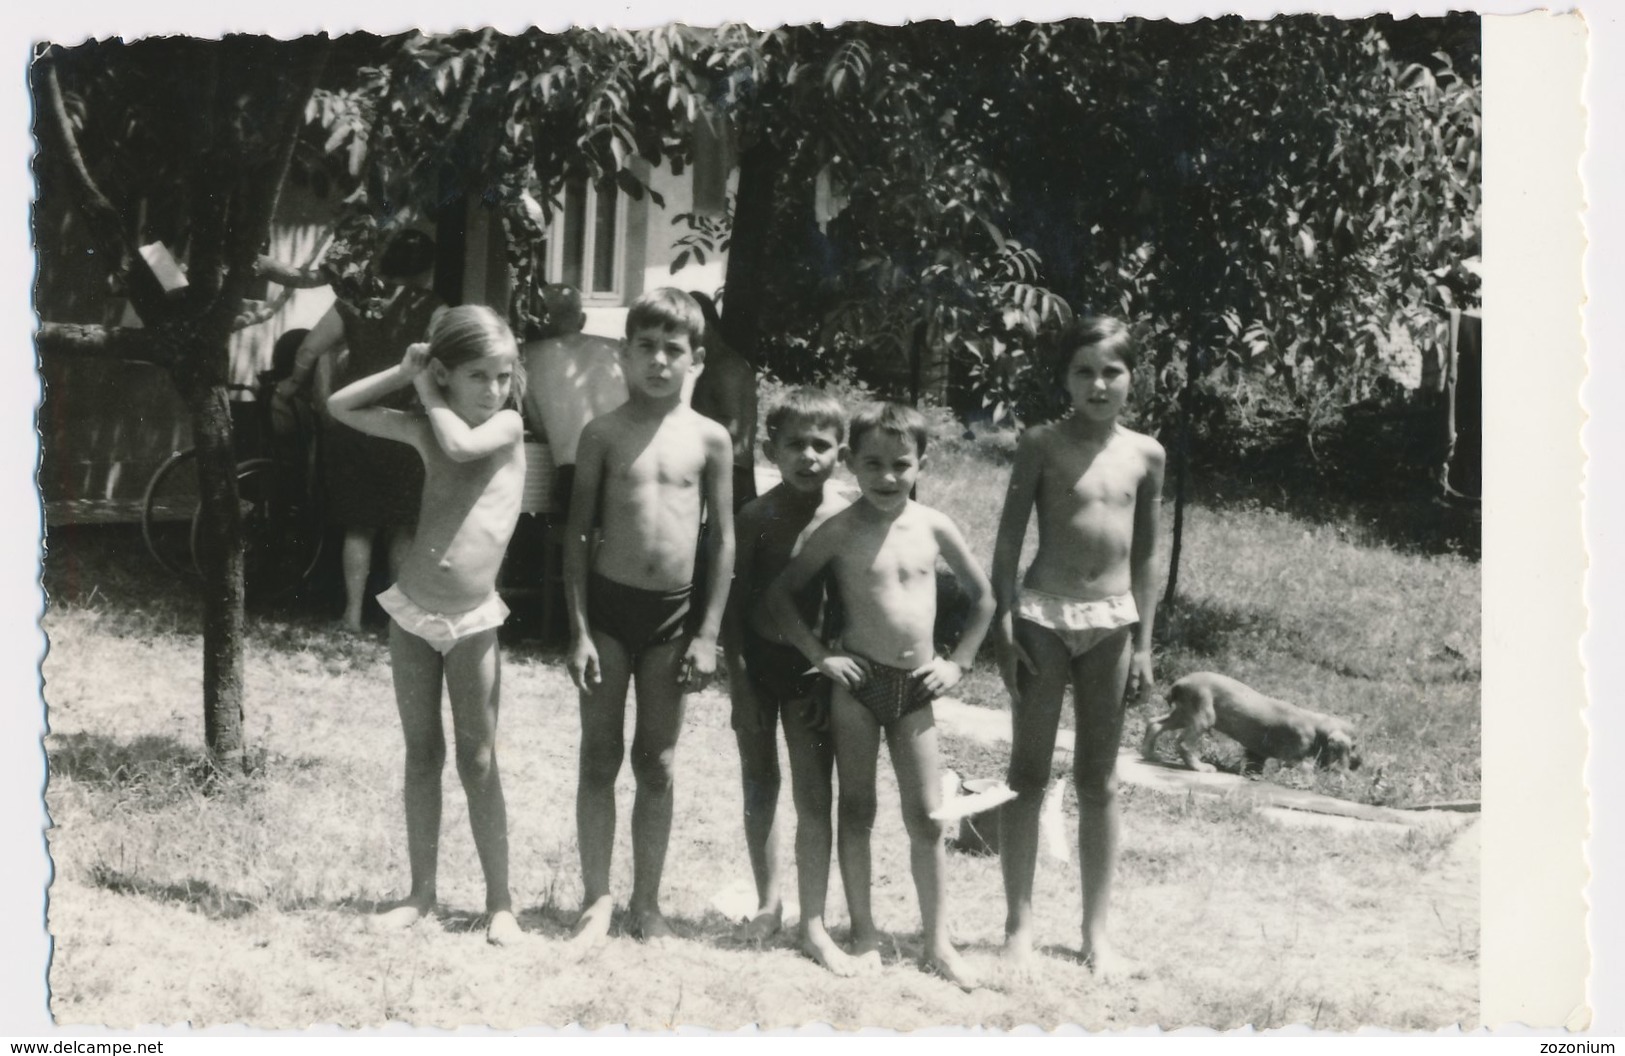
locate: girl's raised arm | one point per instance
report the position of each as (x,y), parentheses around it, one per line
(353,404)
(460,441)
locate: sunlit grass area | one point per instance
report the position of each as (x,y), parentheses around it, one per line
(180,895)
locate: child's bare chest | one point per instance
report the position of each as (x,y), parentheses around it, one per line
(905,557)
(665,460)
(1108,477)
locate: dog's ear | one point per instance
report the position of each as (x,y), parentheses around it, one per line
(1336,749)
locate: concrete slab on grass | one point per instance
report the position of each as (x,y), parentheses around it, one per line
(990,726)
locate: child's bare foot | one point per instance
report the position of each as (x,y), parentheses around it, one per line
(947,963)
(866,951)
(1102,961)
(401,914)
(648,926)
(764,925)
(348,626)
(591,928)
(816,943)
(1018,953)
(503,929)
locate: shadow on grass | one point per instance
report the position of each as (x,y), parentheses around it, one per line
(203,897)
(155,771)
(1416,523)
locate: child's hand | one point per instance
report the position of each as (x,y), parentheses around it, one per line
(415,359)
(698,665)
(1140,679)
(1012,658)
(939,675)
(583,665)
(843,670)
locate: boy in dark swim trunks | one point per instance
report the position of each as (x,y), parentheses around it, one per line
(648,469)
(882,552)
(806,433)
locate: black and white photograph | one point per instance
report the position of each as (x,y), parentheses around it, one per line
(939,524)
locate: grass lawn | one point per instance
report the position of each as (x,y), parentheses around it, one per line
(181,898)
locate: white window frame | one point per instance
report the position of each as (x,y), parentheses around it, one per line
(616,295)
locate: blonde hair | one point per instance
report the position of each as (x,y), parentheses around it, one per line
(473,331)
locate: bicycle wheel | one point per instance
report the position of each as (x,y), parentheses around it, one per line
(282,532)
(168,513)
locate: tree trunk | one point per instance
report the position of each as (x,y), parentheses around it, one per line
(744,282)
(202,382)
(1182,460)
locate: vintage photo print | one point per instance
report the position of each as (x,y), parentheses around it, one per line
(877,521)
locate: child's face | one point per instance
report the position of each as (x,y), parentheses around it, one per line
(477,388)
(886,467)
(1097,382)
(804,452)
(656,361)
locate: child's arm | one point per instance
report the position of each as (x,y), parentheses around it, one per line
(819,551)
(1142,567)
(460,441)
(582,659)
(942,674)
(746,715)
(352,404)
(700,662)
(1019,498)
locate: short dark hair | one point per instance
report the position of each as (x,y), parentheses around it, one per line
(409,253)
(667,308)
(1086,332)
(895,419)
(812,406)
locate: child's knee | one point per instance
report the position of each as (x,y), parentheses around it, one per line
(653,769)
(813,798)
(857,809)
(600,763)
(922,828)
(1097,787)
(1029,776)
(425,754)
(476,762)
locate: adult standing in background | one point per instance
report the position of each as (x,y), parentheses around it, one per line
(372,485)
(571,378)
(726,393)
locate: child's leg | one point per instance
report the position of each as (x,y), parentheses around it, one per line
(416,669)
(760,780)
(1098,680)
(812,758)
(356,557)
(1033,721)
(603,745)
(474,684)
(857,746)
(654,750)
(912,741)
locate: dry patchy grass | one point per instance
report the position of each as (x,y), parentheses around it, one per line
(181,897)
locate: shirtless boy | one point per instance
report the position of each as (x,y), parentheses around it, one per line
(647,470)
(806,433)
(1082,615)
(882,552)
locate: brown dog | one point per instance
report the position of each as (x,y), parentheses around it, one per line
(1265,727)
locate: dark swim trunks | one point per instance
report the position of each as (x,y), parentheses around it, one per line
(637,618)
(891,692)
(778,673)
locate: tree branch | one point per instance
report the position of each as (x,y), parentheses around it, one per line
(125,343)
(106,225)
